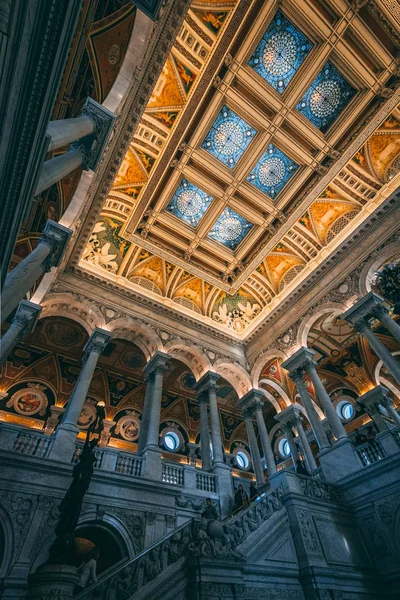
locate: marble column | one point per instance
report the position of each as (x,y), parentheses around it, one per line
(208,384)
(312,465)
(204,432)
(65,436)
(91,130)
(375,398)
(382,314)
(294,364)
(144,422)
(364,327)
(24,322)
(58,167)
(287,430)
(323,396)
(255,453)
(48,253)
(387,403)
(255,399)
(151,453)
(66,131)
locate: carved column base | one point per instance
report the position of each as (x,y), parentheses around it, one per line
(51,582)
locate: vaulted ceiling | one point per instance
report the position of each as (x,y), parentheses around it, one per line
(270,136)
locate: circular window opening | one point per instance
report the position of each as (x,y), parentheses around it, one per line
(284,448)
(241,460)
(345,410)
(171,441)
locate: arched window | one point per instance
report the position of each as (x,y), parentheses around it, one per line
(242,460)
(284,448)
(171,441)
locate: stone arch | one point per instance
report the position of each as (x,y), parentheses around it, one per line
(307,322)
(66,305)
(383,381)
(234,374)
(262,360)
(271,399)
(7,542)
(278,388)
(114,526)
(190,355)
(138,333)
(373,265)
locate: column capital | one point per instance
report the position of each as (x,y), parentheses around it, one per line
(157,364)
(290,416)
(27,316)
(92,146)
(55,236)
(97,342)
(299,359)
(379,311)
(363,307)
(297,375)
(253,400)
(207,383)
(361,325)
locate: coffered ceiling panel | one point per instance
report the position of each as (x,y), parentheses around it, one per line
(270,135)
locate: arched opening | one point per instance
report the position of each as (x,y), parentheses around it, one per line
(109,542)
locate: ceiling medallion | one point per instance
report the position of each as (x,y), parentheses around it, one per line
(230,229)
(228,138)
(272,172)
(280,53)
(189,203)
(326,98)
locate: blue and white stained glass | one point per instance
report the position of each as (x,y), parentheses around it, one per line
(229,137)
(326,97)
(280,53)
(230,229)
(189,203)
(272,172)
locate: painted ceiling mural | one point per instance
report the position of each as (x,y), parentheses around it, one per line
(188,230)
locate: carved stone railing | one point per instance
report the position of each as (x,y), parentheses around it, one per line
(207,482)
(125,580)
(98,452)
(129,464)
(196,538)
(370,453)
(32,444)
(318,490)
(173,474)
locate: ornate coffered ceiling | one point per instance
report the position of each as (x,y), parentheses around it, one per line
(270,136)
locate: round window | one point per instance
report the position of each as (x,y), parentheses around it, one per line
(241,460)
(284,448)
(171,441)
(345,410)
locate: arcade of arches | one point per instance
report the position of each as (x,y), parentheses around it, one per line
(198,255)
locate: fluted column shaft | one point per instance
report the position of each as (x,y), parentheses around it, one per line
(363,327)
(323,396)
(204,433)
(23,322)
(144,423)
(265,441)
(312,465)
(255,453)
(319,433)
(380,313)
(65,131)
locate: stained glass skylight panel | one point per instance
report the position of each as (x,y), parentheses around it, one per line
(229,137)
(326,97)
(189,203)
(230,229)
(280,53)
(272,172)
